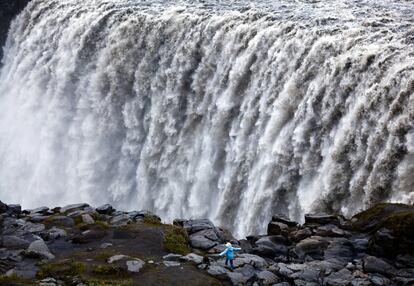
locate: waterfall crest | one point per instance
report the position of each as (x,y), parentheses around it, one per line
(230,111)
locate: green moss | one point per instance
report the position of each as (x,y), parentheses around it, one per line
(109,270)
(152,220)
(175,240)
(60,269)
(370,213)
(14,280)
(402,224)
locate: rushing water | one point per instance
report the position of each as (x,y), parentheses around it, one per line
(220,109)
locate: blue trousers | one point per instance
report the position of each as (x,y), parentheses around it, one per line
(231,263)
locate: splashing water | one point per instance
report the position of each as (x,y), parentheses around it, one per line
(231,111)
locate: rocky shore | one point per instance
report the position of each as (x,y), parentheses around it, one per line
(82,245)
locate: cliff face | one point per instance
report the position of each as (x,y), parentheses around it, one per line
(8,10)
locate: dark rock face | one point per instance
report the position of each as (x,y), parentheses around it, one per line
(8,10)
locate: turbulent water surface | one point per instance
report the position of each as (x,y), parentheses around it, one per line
(231,110)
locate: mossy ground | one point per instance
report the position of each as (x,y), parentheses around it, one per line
(15,281)
(176,240)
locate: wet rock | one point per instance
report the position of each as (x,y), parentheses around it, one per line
(195,258)
(267,278)
(105,209)
(341,249)
(39,249)
(379,280)
(14,242)
(271,246)
(254,260)
(3,207)
(33,227)
(283,219)
(308,275)
(14,209)
(313,246)
(55,233)
(135,265)
(236,278)
(301,234)
(321,219)
(73,207)
(374,264)
(216,270)
(331,231)
(277,228)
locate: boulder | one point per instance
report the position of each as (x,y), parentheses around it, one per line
(340,249)
(301,234)
(340,278)
(277,228)
(236,278)
(251,259)
(3,207)
(374,264)
(87,219)
(55,233)
(201,242)
(267,278)
(271,246)
(321,219)
(331,231)
(33,227)
(39,249)
(217,270)
(135,265)
(195,225)
(283,219)
(106,209)
(41,210)
(14,209)
(312,246)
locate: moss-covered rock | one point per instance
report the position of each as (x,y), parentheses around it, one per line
(176,240)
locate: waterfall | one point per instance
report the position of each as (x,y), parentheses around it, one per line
(228,110)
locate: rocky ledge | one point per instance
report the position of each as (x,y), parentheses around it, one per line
(82,245)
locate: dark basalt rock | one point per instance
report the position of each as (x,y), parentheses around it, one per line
(9,9)
(105,209)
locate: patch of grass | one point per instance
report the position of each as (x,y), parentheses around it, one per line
(105,282)
(104,255)
(176,240)
(109,270)
(14,280)
(402,224)
(60,269)
(153,220)
(103,224)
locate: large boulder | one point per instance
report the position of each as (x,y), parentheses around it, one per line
(106,209)
(14,242)
(39,249)
(321,219)
(196,225)
(74,207)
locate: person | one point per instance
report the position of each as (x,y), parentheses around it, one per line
(229,252)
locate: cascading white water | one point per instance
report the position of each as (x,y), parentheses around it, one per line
(230,111)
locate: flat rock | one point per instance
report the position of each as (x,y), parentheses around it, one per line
(195,225)
(216,270)
(340,278)
(38,248)
(41,210)
(171,263)
(14,242)
(172,257)
(73,207)
(62,221)
(56,233)
(120,220)
(237,279)
(135,265)
(195,258)
(116,258)
(321,219)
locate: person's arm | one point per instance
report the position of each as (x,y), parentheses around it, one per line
(237,248)
(223,253)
